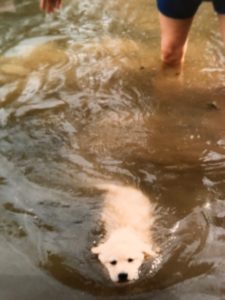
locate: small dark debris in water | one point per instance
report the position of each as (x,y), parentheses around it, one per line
(10,207)
(219,222)
(53,204)
(44,226)
(78,222)
(2,180)
(12,229)
(213,105)
(65,205)
(21,233)
(142,68)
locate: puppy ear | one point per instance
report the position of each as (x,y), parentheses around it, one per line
(97,250)
(147,250)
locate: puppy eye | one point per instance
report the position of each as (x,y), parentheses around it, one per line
(113,262)
(130,260)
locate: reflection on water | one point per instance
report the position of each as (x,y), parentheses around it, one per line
(82,98)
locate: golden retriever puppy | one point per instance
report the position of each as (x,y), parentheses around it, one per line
(128,217)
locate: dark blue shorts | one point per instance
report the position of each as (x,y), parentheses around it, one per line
(183,9)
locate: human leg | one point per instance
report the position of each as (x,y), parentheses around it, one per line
(219,6)
(175,21)
(222,26)
(174,34)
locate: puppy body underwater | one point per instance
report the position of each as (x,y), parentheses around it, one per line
(128,218)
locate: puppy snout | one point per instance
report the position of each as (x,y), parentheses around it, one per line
(123,277)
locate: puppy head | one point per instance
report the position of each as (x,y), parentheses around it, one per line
(122,255)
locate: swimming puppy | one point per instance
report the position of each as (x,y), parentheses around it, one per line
(128,217)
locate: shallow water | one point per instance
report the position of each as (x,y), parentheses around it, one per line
(82,99)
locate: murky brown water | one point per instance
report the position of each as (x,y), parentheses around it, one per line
(82,98)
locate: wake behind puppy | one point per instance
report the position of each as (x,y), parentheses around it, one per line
(128,218)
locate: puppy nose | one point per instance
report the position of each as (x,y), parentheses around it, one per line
(123,277)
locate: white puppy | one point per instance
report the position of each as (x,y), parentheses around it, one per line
(128,217)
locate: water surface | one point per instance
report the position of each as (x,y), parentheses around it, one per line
(82,99)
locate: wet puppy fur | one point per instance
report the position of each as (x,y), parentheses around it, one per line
(128,218)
